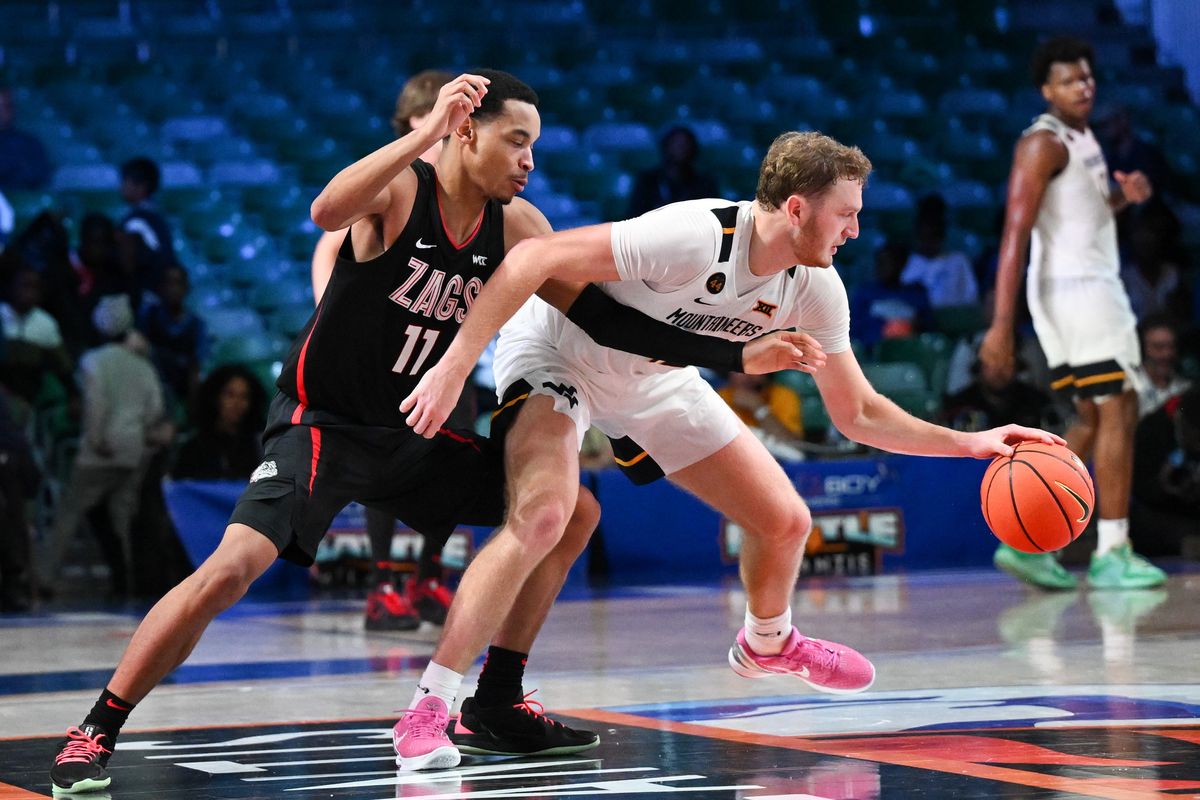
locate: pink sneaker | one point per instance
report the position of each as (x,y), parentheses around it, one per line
(825,666)
(420,737)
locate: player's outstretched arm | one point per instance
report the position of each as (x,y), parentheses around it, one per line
(583,255)
(867,417)
(1037,159)
(365,187)
(613,324)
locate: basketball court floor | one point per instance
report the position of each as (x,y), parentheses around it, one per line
(985,689)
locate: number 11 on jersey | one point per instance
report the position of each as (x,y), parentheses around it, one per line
(412,335)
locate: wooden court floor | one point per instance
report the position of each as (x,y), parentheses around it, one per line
(985,689)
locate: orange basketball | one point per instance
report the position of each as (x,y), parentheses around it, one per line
(1039,499)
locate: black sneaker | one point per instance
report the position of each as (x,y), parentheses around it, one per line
(516,730)
(79,765)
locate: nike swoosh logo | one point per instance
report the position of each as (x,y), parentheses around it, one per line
(422,246)
(703,302)
(1084,508)
(111,704)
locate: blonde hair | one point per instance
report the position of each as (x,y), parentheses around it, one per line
(417,97)
(807,163)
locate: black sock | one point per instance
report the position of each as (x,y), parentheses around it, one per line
(429,565)
(381,573)
(110,713)
(500,679)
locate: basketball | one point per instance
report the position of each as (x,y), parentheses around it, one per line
(1039,499)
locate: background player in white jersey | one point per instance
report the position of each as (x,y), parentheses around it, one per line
(1061,207)
(716,267)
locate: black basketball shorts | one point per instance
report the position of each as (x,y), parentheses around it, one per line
(314,465)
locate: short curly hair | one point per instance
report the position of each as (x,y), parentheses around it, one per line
(1059,50)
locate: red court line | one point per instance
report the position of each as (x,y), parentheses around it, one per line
(1109,789)
(14,793)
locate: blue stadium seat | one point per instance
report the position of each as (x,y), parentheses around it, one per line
(883,196)
(268,297)
(180,174)
(556,139)
(611,136)
(973,103)
(231,322)
(965,193)
(193,128)
(899,104)
(86,176)
(258,172)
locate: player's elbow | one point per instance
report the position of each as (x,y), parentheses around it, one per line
(324,215)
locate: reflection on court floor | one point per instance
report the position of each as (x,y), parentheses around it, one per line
(985,690)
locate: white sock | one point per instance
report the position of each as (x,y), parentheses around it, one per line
(440,682)
(1111,534)
(767,636)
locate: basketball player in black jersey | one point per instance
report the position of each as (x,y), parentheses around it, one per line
(421,246)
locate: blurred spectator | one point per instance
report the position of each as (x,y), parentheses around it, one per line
(1166,482)
(675,178)
(1160,379)
(229,415)
(1153,270)
(177,336)
(122,416)
(773,412)
(886,308)
(1125,151)
(990,401)
(45,245)
(18,481)
(147,246)
(97,255)
(23,161)
(100,269)
(948,277)
(33,343)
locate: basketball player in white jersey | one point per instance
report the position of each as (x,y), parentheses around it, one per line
(729,270)
(1061,206)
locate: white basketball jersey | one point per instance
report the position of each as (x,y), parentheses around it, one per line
(1075,235)
(687,264)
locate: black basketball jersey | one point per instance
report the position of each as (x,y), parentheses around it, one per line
(383,322)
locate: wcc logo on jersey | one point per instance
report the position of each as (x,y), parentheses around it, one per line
(433,293)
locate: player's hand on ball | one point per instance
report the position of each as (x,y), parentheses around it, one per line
(431,402)
(1000,441)
(456,101)
(1134,185)
(782,350)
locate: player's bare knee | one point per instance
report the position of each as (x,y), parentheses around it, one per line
(539,523)
(219,584)
(786,527)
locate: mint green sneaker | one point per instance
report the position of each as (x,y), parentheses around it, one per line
(1121,568)
(1039,569)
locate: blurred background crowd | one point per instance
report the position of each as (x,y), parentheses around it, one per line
(158,158)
